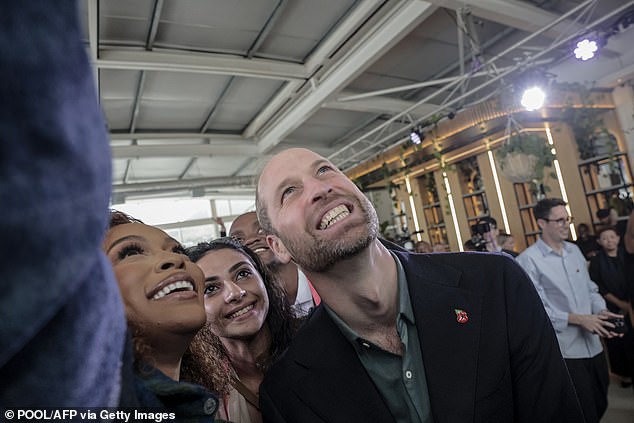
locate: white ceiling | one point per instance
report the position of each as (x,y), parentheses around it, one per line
(199,93)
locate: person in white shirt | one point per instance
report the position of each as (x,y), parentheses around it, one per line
(246,230)
(576,309)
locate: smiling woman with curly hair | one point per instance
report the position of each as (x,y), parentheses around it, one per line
(162,293)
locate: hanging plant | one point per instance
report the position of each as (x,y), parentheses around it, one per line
(429,184)
(586,122)
(524,157)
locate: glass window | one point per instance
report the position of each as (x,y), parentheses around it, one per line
(194,234)
(157,212)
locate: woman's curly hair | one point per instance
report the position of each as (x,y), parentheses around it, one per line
(207,349)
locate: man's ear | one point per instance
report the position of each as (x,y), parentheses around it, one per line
(540,223)
(279,249)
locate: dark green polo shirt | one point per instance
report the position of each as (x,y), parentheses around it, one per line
(400,380)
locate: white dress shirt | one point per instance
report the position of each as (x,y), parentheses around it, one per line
(304,300)
(564,285)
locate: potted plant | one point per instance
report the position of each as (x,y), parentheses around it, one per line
(586,122)
(523,158)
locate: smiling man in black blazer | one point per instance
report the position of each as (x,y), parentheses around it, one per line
(400,337)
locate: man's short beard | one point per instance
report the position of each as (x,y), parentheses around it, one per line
(321,255)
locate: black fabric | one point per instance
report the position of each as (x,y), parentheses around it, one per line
(588,246)
(609,275)
(590,377)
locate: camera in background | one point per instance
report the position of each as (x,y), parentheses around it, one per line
(478,242)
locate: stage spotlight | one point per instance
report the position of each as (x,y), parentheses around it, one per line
(585,49)
(451,115)
(416,137)
(533,98)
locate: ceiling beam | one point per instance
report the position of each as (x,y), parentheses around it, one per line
(217,145)
(213,137)
(207,63)
(184,184)
(278,10)
(392,27)
(317,59)
(175,150)
(244,149)
(513,13)
(567,39)
(377,104)
(154,23)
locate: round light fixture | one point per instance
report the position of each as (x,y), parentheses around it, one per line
(533,98)
(585,49)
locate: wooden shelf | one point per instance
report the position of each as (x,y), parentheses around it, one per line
(431,206)
(608,189)
(592,160)
(473,194)
(597,175)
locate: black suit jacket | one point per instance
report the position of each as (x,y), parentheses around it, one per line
(502,365)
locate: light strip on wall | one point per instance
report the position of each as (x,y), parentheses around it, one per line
(453,210)
(414,215)
(499,191)
(560,179)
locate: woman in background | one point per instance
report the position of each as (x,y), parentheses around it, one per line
(249,323)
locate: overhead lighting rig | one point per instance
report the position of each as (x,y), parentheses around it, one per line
(587,47)
(416,136)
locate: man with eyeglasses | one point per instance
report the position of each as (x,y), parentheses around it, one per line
(576,309)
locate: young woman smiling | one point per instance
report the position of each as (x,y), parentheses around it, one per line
(249,323)
(162,293)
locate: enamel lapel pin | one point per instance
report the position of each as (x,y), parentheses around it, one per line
(461,315)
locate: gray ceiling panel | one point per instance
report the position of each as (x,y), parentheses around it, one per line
(327,125)
(291,65)
(178,100)
(209,167)
(125,22)
(171,114)
(117,113)
(231,15)
(118,84)
(197,38)
(138,9)
(302,25)
(118,170)
(243,100)
(221,26)
(182,86)
(148,169)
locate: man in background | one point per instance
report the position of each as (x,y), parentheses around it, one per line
(587,242)
(301,295)
(576,309)
(491,236)
(423,247)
